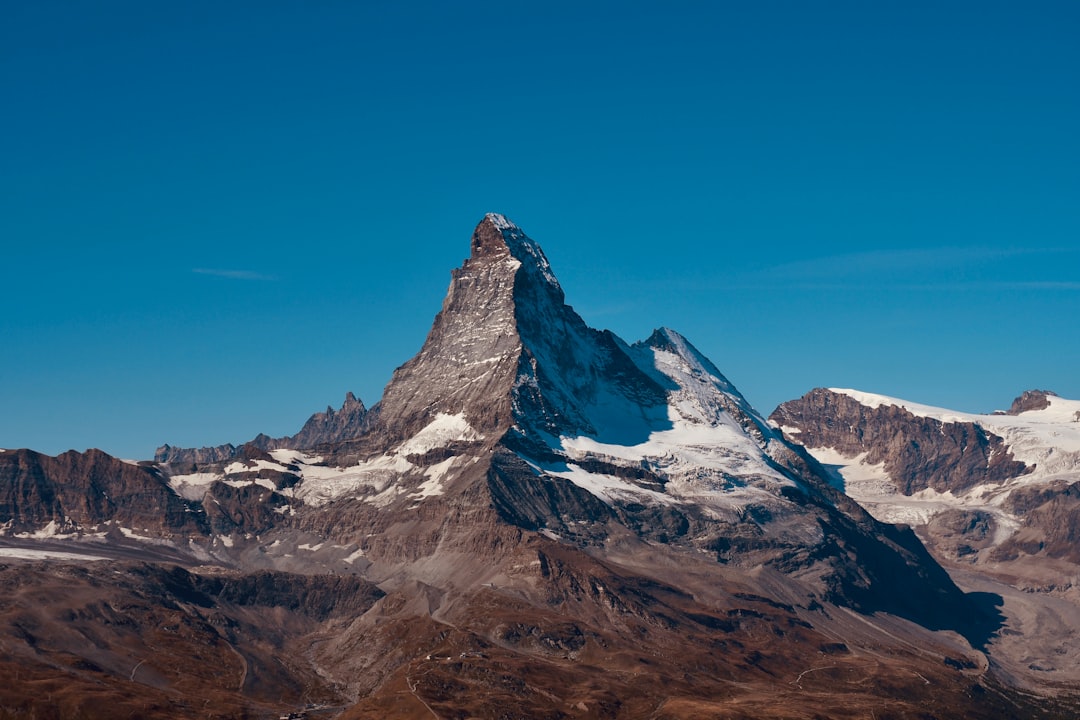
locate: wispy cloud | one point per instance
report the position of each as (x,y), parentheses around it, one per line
(940,268)
(1040,285)
(234,274)
(895,262)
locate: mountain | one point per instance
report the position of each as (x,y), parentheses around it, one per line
(516,414)
(988,487)
(537,519)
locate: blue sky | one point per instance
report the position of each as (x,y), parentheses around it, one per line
(217,218)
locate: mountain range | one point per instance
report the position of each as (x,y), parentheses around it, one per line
(539,519)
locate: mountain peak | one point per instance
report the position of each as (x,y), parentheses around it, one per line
(497,236)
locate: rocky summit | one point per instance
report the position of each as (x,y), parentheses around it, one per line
(537,520)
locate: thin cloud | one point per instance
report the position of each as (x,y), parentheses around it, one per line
(1041,285)
(940,268)
(892,262)
(234,274)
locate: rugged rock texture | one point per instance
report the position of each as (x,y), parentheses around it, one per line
(1031,400)
(84,490)
(1051,523)
(168,454)
(918,452)
(332,426)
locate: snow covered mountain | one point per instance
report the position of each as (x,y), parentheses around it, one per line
(515,404)
(541,520)
(986,487)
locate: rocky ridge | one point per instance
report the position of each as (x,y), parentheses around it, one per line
(323,428)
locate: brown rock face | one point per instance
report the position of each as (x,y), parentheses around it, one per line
(918,452)
(87,489)
(1051,523)
(470,357)
(1031,400)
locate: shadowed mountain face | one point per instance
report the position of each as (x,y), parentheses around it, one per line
(559,524)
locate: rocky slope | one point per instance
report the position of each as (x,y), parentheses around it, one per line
(130,639)
(559,524)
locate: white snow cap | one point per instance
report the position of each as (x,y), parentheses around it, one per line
(502,222)
(523,247)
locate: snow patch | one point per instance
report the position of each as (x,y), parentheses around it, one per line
(322,484)
(433,485)
(610,488)
(440,432)
(35,554)
(705,444)
(52,530)
(261,482)
(245,467)
(193,486)
(147,539)
(870,486)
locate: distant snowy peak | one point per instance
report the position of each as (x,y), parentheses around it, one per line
(926,446)
(680,361)
(1042,430)
(909,462)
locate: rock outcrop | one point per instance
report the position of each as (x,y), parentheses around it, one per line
(1031,400)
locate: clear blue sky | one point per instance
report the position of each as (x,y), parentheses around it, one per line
(217,218)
